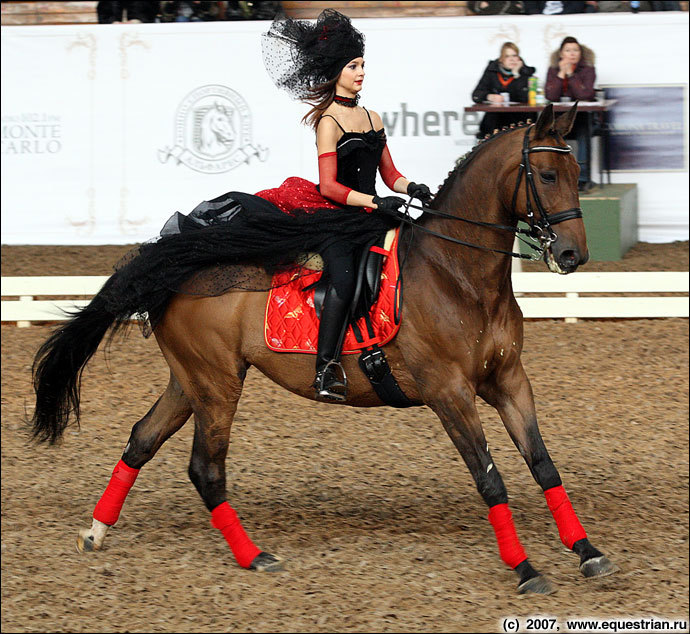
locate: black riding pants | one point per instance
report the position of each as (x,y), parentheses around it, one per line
(340,262)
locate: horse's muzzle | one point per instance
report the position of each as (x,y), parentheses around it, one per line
(569,260)
(564,260)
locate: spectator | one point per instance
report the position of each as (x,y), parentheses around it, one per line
(555,8)
(491,7)
(257,10)
(611,6)
(267,10)
(665,5)
(191,11)
(571,77)
(508,74)
(131,11)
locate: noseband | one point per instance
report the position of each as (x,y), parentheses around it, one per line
(541,228)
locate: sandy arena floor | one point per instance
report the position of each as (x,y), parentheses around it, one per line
(374,511)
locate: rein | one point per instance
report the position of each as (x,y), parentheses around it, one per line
(540,229)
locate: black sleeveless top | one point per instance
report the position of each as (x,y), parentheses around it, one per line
(359,155)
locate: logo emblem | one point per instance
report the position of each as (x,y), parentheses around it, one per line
(213,132)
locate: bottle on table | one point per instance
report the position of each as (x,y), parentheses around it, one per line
(532,91)
(541,98)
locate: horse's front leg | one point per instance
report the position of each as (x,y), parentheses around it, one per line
(453,402)
(510,393)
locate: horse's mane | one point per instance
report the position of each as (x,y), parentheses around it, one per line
(462,162)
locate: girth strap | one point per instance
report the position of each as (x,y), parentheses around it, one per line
(375,366)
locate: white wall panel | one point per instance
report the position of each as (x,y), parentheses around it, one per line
(90,112)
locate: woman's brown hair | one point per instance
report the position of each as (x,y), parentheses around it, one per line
(569,40)
(507,45)
(320,97)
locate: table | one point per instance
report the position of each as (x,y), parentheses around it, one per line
(595,110)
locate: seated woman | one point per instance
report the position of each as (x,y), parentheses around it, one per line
(508,74)
(572,75)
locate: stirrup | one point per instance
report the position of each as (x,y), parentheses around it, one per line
(334,389)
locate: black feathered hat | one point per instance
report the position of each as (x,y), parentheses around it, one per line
(299,54)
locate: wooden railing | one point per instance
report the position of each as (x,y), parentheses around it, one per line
(540,295)
(25,13)
(423,8)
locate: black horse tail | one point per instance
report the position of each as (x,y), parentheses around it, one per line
(60,361)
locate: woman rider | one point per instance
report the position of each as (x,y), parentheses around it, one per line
(321,64)
(351,144)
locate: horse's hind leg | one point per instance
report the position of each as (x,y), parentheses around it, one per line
(213,416)
(454,405)
(170,412)
(511,395)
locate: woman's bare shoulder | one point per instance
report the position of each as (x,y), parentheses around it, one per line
(327,133)
(376,119)
(328,120)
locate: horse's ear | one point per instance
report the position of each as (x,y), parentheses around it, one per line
(564,123)
(544,123)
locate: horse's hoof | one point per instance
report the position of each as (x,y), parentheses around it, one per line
(265,562)
(598,567)
(85,541)
(537,585)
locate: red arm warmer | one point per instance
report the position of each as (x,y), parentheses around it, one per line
(328,185)
(387,169)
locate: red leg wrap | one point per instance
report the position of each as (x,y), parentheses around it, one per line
(224,518)
(509,545)
(569,527)
(109,506)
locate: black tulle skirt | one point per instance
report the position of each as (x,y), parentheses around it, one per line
(236,241)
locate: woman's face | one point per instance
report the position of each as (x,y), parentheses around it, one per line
(510,58)
(571,53)
(351,77)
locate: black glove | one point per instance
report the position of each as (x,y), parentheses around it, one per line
(419,191)
(389,204)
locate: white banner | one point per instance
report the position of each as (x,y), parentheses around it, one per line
(107,130)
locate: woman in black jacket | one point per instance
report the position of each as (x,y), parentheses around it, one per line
(508,74)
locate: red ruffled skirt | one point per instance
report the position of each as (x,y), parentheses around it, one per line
(299,194)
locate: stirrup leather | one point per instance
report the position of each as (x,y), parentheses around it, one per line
(328,385)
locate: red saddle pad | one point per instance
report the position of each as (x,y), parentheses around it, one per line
(291,324)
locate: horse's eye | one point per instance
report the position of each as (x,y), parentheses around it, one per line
(548,177)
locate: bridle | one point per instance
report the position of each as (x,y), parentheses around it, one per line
(539,228)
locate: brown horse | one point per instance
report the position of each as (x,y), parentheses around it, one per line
(461,337)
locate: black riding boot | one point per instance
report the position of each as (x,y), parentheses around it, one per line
(330,381)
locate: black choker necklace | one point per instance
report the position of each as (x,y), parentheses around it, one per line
(349,102)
